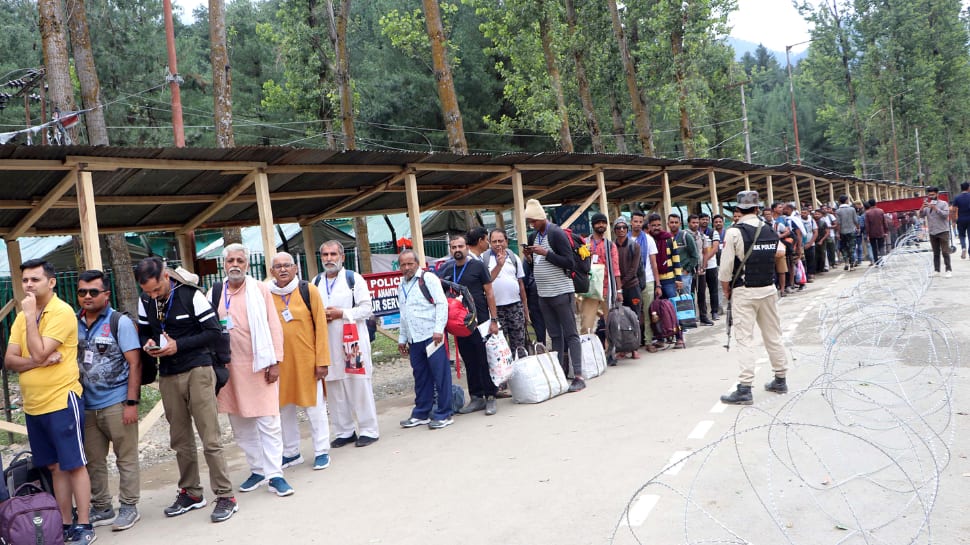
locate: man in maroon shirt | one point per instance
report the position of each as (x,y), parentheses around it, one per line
(875,229)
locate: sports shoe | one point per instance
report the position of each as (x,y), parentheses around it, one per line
(322,461)
(706,321)
(101,517)
(577,385)
(341,441)
(184,503)
(127,517)
(476,404)
(365,440)
(936,274)
(83,535)
(224,509)
(680,344)
(490,406)
(280,487)
(252,483)
(290,461)
(438,424)
(963,255)
(846,267)
(414,422)
(948,274)
(715,316)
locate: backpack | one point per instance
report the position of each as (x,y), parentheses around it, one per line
(663,318)
(457,399)
(31,518)
(623,328)
(582,260)
(21,471)
(149,363)
(461,306)
(351,282)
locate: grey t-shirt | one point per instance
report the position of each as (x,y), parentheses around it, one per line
(848,219)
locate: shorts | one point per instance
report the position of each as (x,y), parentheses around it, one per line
(57,437)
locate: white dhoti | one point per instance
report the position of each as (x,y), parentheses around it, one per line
(353,398)
(319,426)
(260,439)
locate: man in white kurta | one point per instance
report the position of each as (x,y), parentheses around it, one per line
(349,387)
(251,398)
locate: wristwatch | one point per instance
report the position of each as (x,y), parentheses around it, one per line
(132,402)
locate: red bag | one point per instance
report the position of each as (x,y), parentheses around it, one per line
(663,318)
(458,323)
(352,361)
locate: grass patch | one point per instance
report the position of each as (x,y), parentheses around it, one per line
(384,349)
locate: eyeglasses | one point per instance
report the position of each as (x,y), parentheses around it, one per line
(94,292)
(619,227)
(279,266)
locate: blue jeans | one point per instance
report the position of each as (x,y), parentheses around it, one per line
(430,375)
(688,280)
(669,288)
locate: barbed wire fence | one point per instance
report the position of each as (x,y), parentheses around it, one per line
(854,457)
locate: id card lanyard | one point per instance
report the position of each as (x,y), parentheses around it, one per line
(226,297)
(286,314)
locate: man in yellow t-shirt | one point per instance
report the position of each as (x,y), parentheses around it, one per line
(43,350)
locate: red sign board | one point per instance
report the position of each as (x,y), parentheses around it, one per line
(911,204)
(383,291)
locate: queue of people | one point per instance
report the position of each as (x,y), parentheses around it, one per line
(258,351)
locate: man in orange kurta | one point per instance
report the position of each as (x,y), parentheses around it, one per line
(306,360)
(251,398)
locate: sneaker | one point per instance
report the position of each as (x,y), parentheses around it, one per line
(936,274)
(68,530)
(341,441)
(127,517)
(845,268)
(963,255)
(679,345)
(252,483)
(414,422)
(322,461)
(365,440)
(577,385)
(438,424)
(491,407)
(280,486)
(101,517)
(475,404)
(290,461)
(948,274)
(83,535)
(224,509)
(705,321)
(184,503)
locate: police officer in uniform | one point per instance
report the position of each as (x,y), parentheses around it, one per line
(747,278)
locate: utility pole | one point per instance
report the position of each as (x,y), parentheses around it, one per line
(173,77)
(794,112)
(919,162)
(892,121)
(744,119)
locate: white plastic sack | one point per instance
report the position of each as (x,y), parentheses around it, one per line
(499,357)
(537,378)
(594,357)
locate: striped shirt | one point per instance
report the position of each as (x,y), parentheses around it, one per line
(420,319)
(551,280)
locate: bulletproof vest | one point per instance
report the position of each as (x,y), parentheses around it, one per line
(759,270)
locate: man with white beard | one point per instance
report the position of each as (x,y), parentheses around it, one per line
(349,389)
(306,361)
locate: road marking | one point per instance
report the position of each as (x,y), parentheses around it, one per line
(640,510)
(675,464)
(701,429)
(718,407)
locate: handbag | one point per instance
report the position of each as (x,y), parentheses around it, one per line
(594,357)
(499,357)
(684,305)
(596,273)
(538,377)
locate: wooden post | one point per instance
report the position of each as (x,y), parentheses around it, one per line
(747,182)
(604,204)
(770,196)
(848,189)
(186,246)
(16,278)
(518,210)
(499,219)
(794,192)
(414,216)
(89,221)
(265,206)
(363,245)
(865,192)
(815,202)
(712,181)
(668,205)
(832,193)
(310,250)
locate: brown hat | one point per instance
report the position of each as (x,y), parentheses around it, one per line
(534,211)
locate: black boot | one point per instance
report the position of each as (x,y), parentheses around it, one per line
(778,386)
(741,396)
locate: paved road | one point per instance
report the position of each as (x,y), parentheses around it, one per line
(563,471)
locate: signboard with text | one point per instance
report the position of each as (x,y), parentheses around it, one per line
(383,292)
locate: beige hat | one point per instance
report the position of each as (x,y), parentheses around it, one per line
(534,211)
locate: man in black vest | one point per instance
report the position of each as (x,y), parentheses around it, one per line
(747,278)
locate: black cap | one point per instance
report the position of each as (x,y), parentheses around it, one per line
(598,217)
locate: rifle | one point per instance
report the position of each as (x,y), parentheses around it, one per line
(734,281)
(730,322)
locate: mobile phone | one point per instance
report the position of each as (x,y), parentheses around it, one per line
(154,348)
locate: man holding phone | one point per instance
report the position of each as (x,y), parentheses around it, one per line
(937,214)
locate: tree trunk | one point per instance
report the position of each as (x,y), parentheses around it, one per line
(677,51)
(589,110)
(221,74)
(338,35)
(856,121)
(619,127)
(565,137)
(54,41)
(126,289)
(640,108)
(442,75)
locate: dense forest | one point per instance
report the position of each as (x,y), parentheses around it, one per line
(883,92)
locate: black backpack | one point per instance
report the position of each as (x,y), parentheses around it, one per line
(149,363)
(579,273)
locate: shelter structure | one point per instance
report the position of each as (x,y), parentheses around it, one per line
(89,190)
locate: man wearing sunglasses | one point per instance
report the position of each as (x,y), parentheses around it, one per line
(110,367)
